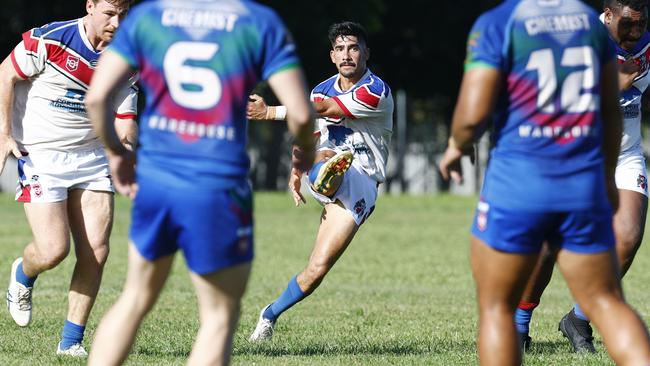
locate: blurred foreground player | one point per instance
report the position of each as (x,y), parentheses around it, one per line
(192,192)
(626,21)
(547,70)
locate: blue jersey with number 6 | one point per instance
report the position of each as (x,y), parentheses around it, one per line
(198,62)
(548,127)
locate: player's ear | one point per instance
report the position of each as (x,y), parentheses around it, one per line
(332,57)
(608,14)
(367,53)
(90,6)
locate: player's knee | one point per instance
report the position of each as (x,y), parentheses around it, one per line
(100,254)
(53,257)
(628,240)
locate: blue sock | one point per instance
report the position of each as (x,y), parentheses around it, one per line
(22,278)
(523,314)
(579,313)
(313,172)
(291,296)
(71,334)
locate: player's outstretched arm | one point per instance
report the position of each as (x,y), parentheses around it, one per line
(612,126)
(8,77)
(257,109)
(478,94)
(111,72)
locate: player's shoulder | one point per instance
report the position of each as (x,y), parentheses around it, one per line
(55,30)
(326,86)
(497,16)
(375,84)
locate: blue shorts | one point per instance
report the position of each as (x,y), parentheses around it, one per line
(588,231)
(214,229)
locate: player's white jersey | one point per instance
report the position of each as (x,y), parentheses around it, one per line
(631,99)
(57,62)
(367,126)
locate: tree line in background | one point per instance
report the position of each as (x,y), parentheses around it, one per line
(416,46)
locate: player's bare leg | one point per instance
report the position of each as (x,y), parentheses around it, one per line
(629,224)
(594,282)
(91,219)
(50,245)
(116,331)
(219,295)
(336,231)
(500,280)
(51,242)
(539,279)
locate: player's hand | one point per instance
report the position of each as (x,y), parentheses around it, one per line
(256,108)
(450,163)
(123,172)
(627,72)
(8,146)
(294,187)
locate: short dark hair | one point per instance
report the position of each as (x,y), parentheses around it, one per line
(347,29)
(637,5)
(120,4)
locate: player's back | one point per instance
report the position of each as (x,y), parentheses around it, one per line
(548,126)
(199,60)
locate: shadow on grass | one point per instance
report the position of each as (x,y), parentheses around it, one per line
(353,347)
(549,347)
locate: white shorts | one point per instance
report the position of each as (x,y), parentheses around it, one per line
(357,193)
(48,176)
(631,173)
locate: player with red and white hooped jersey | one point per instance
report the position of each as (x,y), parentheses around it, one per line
(366,126)
(63,173)
(56,62)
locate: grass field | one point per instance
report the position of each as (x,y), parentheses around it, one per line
(401,295)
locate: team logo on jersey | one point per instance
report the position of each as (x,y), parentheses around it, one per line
(37,189)
(72,63)
(482,215)
(360,207)
(642,182)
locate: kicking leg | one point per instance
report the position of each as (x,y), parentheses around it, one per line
(594,282)
(116,332)
(219,295)
(335,233)
(500,280)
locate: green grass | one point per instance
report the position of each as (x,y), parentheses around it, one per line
(401,294)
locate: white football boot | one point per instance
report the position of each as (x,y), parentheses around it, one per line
(19,298)
(76,350)
(264,329)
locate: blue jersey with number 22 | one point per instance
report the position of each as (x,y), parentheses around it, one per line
(198,62)
(548,127)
